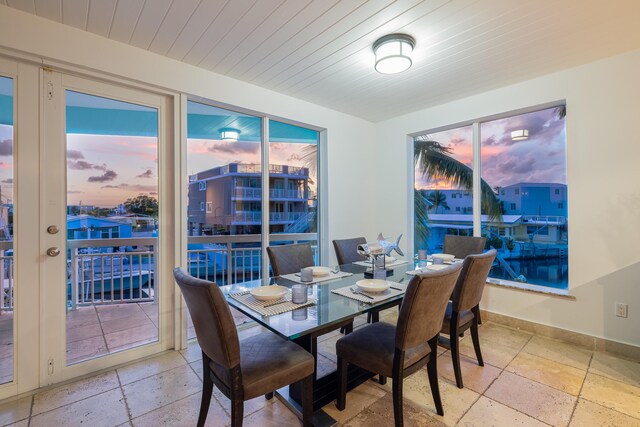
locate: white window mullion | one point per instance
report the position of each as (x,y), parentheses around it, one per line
(264,147)
(477,181)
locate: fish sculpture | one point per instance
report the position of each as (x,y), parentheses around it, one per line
(381,247)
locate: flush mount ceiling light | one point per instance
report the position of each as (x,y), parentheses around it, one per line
(519,135)
(229,134)
(393,53)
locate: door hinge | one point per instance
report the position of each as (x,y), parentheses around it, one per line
(50,366)
(49,90)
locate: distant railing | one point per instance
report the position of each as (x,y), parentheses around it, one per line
(274,193)
(544,219)
(127,273)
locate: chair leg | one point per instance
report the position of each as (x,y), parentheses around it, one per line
(307,401)
(432,370)
(397,381)
(237,412)
(455,356)
(382,379)
(342,384)
(476,342)
(207,390)
(268,396)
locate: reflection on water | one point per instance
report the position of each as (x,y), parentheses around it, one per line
(552,272)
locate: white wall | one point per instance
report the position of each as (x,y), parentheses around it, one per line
(347,135)
(603,156)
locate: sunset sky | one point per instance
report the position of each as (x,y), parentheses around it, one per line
(541,158)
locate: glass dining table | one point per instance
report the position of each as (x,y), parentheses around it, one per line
(303,326)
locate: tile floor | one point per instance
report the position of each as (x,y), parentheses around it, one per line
(527,380)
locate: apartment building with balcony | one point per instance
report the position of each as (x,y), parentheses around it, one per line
(227,200)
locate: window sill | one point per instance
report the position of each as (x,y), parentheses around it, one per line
(527,287)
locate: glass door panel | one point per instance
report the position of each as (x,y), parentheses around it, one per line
(112,225)
(293,185)
(7,301)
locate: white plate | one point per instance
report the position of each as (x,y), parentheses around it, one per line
(321,271)
(373,286)
(444,257)
(269,293)
(436,267)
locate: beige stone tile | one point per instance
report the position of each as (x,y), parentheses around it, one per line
(105,409)
(192,353)
(247,332)
(197,368)
(86,349)
(15,410)
(474,376)
(557,375)
(23,423)
(167,387)
(275,414)
(489,413)
(381,414)
(325,366)
(496,334)
(612,394)
(455,401)
(149,367)
(589,414)
(145,333)
(83,332)
(534,399)
(327,348)
(358,399)
(74,392)
(616,368)
(494,354)
(561,352)
(183,412)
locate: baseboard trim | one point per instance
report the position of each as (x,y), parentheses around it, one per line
(626,351)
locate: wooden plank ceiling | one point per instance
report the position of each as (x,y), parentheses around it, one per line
(320,50)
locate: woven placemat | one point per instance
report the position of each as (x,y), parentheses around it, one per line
(375,298)
(266,308)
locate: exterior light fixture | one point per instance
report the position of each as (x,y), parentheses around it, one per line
(520,135)
(393,53)
(229,134)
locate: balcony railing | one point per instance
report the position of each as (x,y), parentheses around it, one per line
(274,193)
(127,273)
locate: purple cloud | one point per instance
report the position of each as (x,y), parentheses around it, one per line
(109,175)
(146,174)
(74,154)
(6,147)
(240,147)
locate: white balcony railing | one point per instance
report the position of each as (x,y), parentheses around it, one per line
(274,193)
(106,271)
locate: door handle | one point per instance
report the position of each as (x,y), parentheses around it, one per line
(53,229)
(53,252)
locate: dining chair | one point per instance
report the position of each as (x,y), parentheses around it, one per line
(398,351)
(242,370)
(288,259)
(347,250)
(463,311)
(461,246)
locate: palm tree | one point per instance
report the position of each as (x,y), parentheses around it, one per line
(422,206)
(434,161)
(438,199)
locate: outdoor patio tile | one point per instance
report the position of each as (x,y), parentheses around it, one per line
(82,316)
(474,376)
(561,352)
(150,309)
(105,409)
(591,414)
(86,349)
(116,311)
(561,377)
(74,392)
(616,368)
(380,414)
(127,338)
(6,369)
(358,399)
(489,413)
(83,332)
(125,322)
(534,399)
(612,394)
(149,367)
(183,412)
(274,414)
(15,410)
(159,390)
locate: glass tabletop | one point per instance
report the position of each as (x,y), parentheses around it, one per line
(330,308)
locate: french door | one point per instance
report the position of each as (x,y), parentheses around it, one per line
(106,234)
